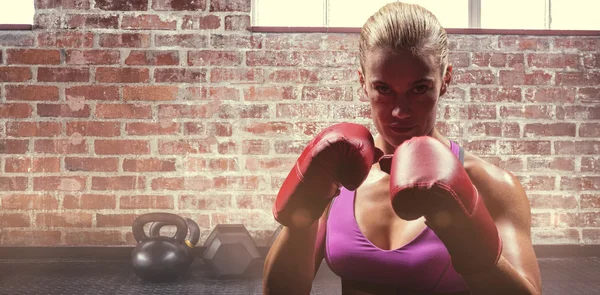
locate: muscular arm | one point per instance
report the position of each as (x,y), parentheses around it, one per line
(294,259)
(517,271)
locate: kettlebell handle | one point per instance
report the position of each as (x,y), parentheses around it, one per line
(168,218)
(193,228)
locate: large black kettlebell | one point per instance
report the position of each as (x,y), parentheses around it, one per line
(158,258)
(191,241)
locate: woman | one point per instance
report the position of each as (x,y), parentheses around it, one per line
(346,203)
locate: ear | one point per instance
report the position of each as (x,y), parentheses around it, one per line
(446,81)
(361,78)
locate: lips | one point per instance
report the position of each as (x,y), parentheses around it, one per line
(402,128)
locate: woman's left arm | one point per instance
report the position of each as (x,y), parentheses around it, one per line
(517,271)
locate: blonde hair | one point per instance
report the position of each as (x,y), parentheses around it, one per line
(402,26)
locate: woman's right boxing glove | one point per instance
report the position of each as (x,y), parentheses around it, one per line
(341,155)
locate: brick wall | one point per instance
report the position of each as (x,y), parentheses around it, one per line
(114,108)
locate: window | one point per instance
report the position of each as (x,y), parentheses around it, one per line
(16,12)
(488,14)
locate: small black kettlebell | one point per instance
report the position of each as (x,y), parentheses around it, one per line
(191,241)
(158,258)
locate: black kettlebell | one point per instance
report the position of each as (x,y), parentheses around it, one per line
(160,259)
(191,241)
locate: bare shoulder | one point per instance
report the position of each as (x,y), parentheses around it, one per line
(500,189)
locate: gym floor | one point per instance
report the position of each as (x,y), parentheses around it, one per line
(561,276)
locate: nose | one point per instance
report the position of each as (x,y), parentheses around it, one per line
(401,109)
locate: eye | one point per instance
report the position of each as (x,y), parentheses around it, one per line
(382,89)
(420,89)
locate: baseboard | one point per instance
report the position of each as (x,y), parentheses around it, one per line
(124,252)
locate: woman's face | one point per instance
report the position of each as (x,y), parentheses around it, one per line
(403,90)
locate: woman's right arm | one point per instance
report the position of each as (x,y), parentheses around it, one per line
(294,259)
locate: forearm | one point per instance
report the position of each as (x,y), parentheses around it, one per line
(501,279)
(289,265)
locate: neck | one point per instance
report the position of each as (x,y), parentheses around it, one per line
(388,148)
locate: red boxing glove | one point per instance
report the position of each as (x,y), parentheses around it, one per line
(428,180)
(341,155)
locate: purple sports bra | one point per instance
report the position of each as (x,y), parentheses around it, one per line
(422,265)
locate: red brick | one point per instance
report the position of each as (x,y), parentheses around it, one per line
(578,219)
(577,147)
(549,129)
(236,75)
(524,147)
(152,57)
(63,4)
(553,202)
(590,236)
(256,111)
(15,74)
(550,95)
(63,110)
(121,147)
(498,60)
(227,147)
(194,128)
(590,164)
(22,237)
(57,183)
(225,5)
(237,22)
(127,40)
(121,5)
(147,22)
(92,21)
(14,146)
(122,75)
(217,93)
(293,76)
(205,22)
(32,165)
(33,129)
(91,128)
(585,183)
(309,42)
(214,58)
(64,219)
(162,128)
(220,129)
(527,112)
(276,164)
(33,56)
(205,203)
(234,183)
(149,165)
(92,57)
(22,39)
(68,39)
(481,112)
(29,202)
(326,93)
(555,60)
(94,238)
(188,5)
(123,111)
(192,164)
(92,164)
(186,146)
(294,147)
(470,77)
(113,183)
(269,128)
(541,219)
(521,43)
(266,93)
(180,75)
(63,75)
(115,220)
(496,94)
(538,182)
(93,92)
(31,93)
(475,129)
(187,111)
(255,147)
(578,112)
(90,201)
(194,183)
(510,77)
(273,58)
(146,202)
(591,61)
(182,40)
(550,164)
(60,146)
(322,58)
(236,41)
(150,93)
(46,21)
(472,43)
(305,111)
(14,220)
(13,183)
(577,78)
(458,59)
(15,110)
(588,201)
(480,147)
(576,43)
